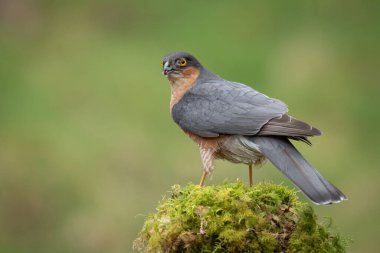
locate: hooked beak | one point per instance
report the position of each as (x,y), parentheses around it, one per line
(167,69)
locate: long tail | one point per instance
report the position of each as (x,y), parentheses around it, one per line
(290,162)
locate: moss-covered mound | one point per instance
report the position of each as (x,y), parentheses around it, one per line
(235,218)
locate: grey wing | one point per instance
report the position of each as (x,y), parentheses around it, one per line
(286,125)
(220,107)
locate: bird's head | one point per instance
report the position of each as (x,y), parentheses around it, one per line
(180,65)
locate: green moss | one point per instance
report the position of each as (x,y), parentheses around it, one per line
(235,218)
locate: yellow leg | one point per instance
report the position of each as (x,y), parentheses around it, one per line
(203,179)
(250,175)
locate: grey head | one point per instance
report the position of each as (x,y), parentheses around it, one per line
(179,61)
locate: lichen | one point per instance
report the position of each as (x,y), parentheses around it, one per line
(235,218)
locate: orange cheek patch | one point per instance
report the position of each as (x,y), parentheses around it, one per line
(190,71)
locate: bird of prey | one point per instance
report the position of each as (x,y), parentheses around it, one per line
(232,121)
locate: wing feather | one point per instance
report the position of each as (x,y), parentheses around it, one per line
(215,107)
(288,126)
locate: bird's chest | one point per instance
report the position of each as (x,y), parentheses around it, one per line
(181,83)
(178,89)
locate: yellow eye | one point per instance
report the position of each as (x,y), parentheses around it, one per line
(162,64)
(182,62)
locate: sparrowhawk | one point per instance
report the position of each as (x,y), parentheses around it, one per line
(232,121)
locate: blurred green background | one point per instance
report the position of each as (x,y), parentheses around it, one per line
(87,144)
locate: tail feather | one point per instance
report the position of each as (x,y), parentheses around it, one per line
(289,161)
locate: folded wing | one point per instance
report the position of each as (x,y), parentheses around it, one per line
(217,107)
(286,125)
